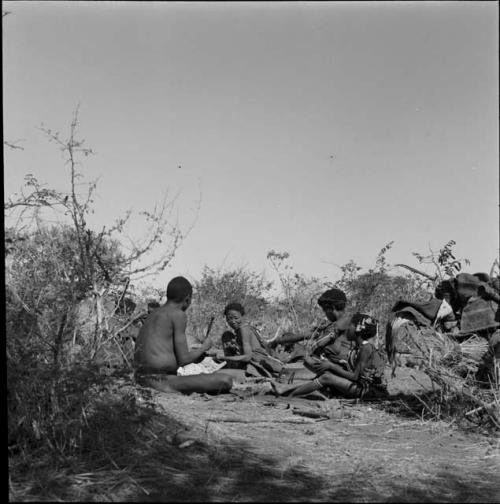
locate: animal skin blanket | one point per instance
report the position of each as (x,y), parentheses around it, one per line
(206,366)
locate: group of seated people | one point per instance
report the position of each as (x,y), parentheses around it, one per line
(340,354)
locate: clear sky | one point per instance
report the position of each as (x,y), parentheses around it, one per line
(324,129)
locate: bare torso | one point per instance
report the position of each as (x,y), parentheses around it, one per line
(154,347)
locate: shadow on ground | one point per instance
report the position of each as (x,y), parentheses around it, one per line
(131,453)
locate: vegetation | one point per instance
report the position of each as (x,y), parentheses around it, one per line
(72,313)
(67,300)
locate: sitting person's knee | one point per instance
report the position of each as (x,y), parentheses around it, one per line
(227,381)
(326,377)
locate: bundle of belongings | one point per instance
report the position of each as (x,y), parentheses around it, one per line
(462,318)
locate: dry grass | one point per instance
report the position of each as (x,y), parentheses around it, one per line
(133,451)
(153,447)
(460,392)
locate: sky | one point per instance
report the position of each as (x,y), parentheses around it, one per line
(324,129)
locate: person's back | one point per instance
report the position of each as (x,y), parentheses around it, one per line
(154,350)
(161,348)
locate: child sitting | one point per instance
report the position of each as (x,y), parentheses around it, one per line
(360,376)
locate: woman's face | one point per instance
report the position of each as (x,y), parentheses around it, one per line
(330,313)
(234,318)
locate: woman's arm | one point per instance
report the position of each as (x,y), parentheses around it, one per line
(361,363)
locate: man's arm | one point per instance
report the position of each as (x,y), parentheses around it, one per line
(183,355)
(288,337)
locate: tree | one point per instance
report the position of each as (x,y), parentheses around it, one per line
(52,271)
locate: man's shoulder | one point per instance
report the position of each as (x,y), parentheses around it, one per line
(174,314)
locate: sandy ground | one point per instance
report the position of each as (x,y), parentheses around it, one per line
(249,446)
(253,447)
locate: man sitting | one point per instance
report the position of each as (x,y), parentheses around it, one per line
(161,348)
(328,339)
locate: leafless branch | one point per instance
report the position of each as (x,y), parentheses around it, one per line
(13,145)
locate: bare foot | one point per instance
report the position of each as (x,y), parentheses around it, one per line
(281,388)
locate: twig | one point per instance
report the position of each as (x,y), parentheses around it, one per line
(128,324)
(418,272)
(310,413)
(242,420)
(209,328)
(485,406)
(122,296)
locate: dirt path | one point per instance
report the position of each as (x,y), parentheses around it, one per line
(247,447)
(265,452)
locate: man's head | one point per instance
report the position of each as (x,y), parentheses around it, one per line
(234,313)
(362,326)
(333,302)
(180,291)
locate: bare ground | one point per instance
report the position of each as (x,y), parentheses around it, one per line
(245,447)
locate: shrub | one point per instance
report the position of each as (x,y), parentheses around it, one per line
(55,276)
(216,288)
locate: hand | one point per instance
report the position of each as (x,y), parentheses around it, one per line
(217,355)
(206,345)
(310,361)
(320,367)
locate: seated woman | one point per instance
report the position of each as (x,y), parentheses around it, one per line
(320,339)
(243,348)
(360,376)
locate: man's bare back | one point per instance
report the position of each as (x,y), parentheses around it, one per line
(154,351)
(161,348)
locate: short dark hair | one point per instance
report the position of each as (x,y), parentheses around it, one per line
(178,289)
(234,306)
(333,299)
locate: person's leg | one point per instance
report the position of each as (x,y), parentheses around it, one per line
(294,374)
(343,385)
(213,383)
(238,375)
(346,387)
(296,389)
